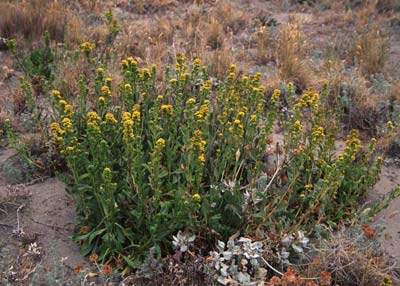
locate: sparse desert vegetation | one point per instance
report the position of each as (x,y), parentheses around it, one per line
(189,142)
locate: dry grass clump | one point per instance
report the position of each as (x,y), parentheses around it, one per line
(215,34)
(218,61)
(371,50)
(232,18)
(371,45)
(290,54)
(266,45)
(354,259)
(32,18)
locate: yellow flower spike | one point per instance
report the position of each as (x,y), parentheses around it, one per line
(55,127)
(136,116)
(166,108)
(126,116)
(87,47)
(253,118)
(100,70)
(202,112)
(102,100)
(124,63)
(196,197)
(190,101)
(308,187)
(184,76)
(240,114)
(173,80)
(237,121)
(105,90)
(108,80)
(231,75)
(56,94)
(145,72)
(68,109)
(202,158)
(160,143)
(132,61)
(110,118)
(70,149)
(62,102)
(127,86)
(389,125)
(302,196)
(197,62)
(93,117)
(297,125)
(207,85)
(67,123)
(276,94)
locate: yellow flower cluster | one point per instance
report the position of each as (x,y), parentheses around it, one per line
(160,143)
(196,197)
(308,99)
(308,187)
(180,59)
(145,73)
(56,94)
(197,140)
(389,125)
(206,85)
(318,132)
(136,113)
(353,145)
(166,108)
(298,128)
(57,131)
(128,61)
(253,118)
(190,101)
(127,127)
(197,62)
(93,117)
(67,124)
(68,110)
(184,76)
(202,158)
(110,118)
(198,143)
(202,113)
(87,47)
(105,90)
(276,94)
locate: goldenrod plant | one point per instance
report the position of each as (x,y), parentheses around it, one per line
(189,154)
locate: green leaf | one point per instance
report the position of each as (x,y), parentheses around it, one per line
(96,233)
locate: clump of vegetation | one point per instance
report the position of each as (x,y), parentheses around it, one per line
(182,161)
(200,158)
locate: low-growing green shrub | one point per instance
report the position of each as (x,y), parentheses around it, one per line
(195,155)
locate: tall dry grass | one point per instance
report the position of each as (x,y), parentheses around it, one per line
(30,19)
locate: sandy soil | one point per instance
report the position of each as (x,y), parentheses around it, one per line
(42,213)
(390,217)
